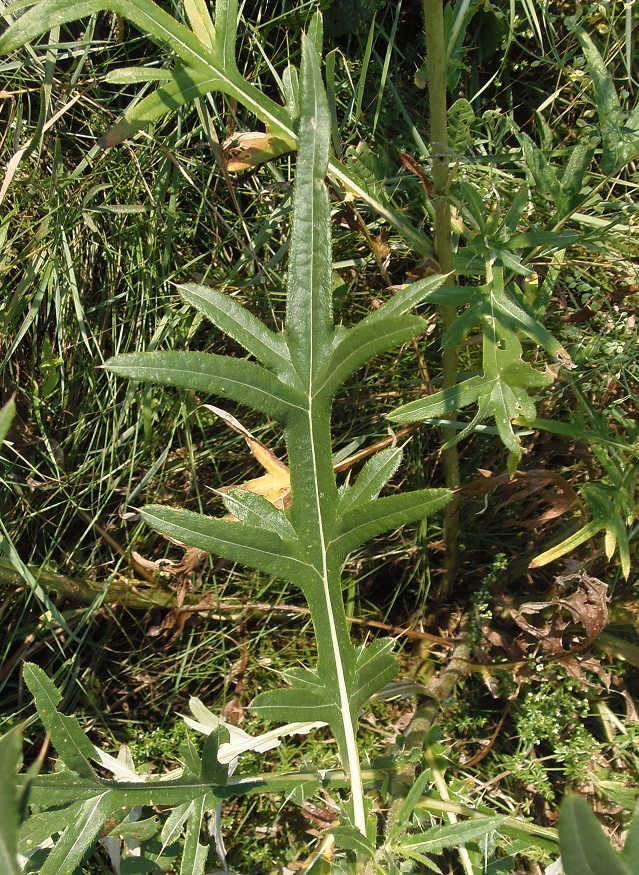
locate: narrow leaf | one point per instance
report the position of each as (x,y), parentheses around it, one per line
(462,325)
(225,32)
(10,752)
(81,835)
(362,343)
(410,801)
(7,412)
(375,667)
(372,478)
(200,21)
(184,86)
(194,854)
(213,771)
(585,850)
(145,14)
(611,115)
(406,299)
(136,75)
(236,321)
(306,699)
(41,825)
(257,511)
(439,838)
(255,547)
(67,736)
(174,823)
(441,403)
(352,839)
(568,545)
(310,332)
(227,377)
(519,318)
(384,514)
(630,854)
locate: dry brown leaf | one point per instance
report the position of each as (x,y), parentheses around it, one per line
(275,485)
(550,488)
(244,151)
(586,606)
(413,166)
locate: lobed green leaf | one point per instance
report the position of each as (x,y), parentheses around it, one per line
(439,838)
(80,836)
(360,344)
(371,480)
(255,510)
(184,86)
(441,403)
(43,824)
(309,313)
(409,297)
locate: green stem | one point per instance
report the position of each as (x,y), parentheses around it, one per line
(314,477)
(440,156)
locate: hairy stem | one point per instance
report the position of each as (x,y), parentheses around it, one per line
(440,155)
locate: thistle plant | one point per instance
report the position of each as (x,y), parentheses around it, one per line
(300,369)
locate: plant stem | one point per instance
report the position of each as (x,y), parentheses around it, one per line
(317,480)
(440,158)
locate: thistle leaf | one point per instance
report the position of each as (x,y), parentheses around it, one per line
(503,390)
(200,21)
(368,520)
(441,403)
(310,332)
(236,321)
(254,510)
(439,838)
(227,377)
(252,546)
(407,298)
(80,835)
(194,854)
(362,343)
(184,86)
(372,478)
